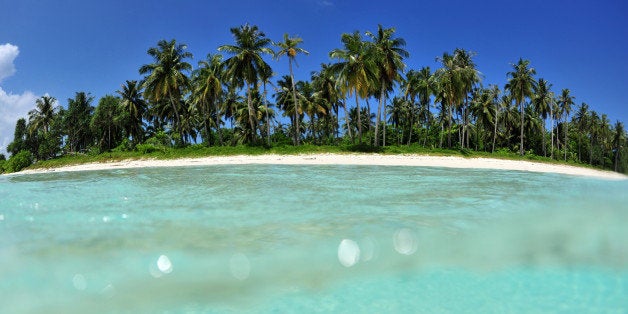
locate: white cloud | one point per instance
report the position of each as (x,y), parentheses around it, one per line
(8,53)
(12,106)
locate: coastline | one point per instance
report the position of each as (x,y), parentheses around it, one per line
(346,159)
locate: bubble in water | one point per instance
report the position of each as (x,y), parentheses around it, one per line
(164,265)
(405,242)
(106,219)
(240,266)
(1,217)
(124,216)
(79,282)
(348,252)
(108,291)
(367,249)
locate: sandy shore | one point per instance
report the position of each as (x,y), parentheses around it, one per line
(348,159)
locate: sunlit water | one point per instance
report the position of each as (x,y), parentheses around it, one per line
(266,238)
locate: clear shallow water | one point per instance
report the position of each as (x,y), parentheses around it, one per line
(265,238)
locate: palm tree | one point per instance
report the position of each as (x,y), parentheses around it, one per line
(326,87)
(565,102)
(245,65)
(498,106)
(521,84)
(265,74)
(469,76)
(289,47)
(426,87)
(286,102)
(450,87)
(605,134)
(207,89)
(135,106)
(355,70)
(42,116)
(76,121)
(483,109)
(166,79)
(582,124)
(619,138)
(594,132)
(543,101)
(389,54)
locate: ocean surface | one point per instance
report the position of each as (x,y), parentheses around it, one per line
(287,238)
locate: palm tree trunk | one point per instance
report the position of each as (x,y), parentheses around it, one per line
(176,117)
(297,132)
(379,112)
(427,124)
(521,150)
(384,128)
(552,132)
(344,105)
(495,130)
(543,139)
(218,129)
(565,143)
(251,113)
(449,125)
(357,104)
(368,109)
(267,119)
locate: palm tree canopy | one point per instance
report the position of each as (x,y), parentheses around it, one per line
(356,67)
(208,79)
(565,102)
(543,98)
(389,55)
(246,63)
(41,117)
(521,81)
(166,77)
(289,47)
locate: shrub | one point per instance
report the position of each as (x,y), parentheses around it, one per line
(18,161)
(147,148)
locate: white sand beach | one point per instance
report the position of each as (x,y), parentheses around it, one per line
(348,159)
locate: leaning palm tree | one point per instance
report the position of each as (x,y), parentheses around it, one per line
(166,79)
(565,102)
(521,84)
(289,47)
(356,69)
(245,65)
(389,54)
(543,101)
(42,116)
(134,105)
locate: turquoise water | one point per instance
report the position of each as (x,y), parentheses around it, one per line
(270,238)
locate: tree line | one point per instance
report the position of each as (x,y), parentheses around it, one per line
(231,99)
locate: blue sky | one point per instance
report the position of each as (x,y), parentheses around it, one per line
(61,47)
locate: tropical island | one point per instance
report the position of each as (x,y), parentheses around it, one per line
(366,100)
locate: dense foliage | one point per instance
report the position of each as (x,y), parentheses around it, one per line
(231,100)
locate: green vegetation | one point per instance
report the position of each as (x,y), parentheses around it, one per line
(230,105)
